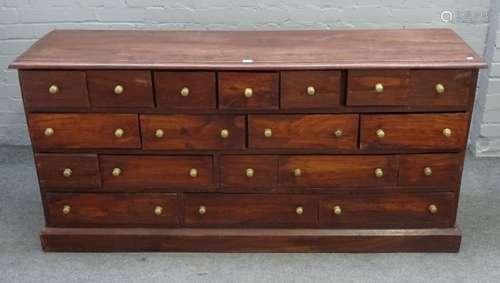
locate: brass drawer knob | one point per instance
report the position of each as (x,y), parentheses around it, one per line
(297,172)
(338,133)
(250,172)
(48,132)
(193,172)
(66,209)
(248,92)
(53,89)
(311,91)
(337,210)
(268,133)
(299,210)
(119,133)
(67,172)
(224,133)
(428,171)
(379,173)
(116,172)
(158,210)
(118,89)
(440,88)
(379,88)
(185,91)
(447,132)
(380,133)
(159,133)
(433,209)
(202,210)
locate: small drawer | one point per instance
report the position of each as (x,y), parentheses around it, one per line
(156,172)
(338,131)
(431,170)
(255,171)
(414,131)
(185,90)
(54,89)
(339,170)
(111,210)
(250,211)
(120,88)
(310,89)
(388,210)
(248,90)
(52,131)
(193,131)
(68,170)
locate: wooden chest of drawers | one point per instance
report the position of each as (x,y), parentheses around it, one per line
(344,141)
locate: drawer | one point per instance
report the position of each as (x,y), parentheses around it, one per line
(388,210)
(438,170)
(310,89)
(249,211)
(338,170)
(377,87)
(156,172)
(120,88)
(414,131)
(255,171)
(303,131)
(248,90)
(68,170)
(111,210)
(185,90)
(50,131)
(54,89)
(193,131)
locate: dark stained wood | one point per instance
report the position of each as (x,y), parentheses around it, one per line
(264,85)
(249,210)
(294,86)
(445,170)
(234,168)
(201,86)
(84,130)
(337,171)
(394,210)
(111,210)
(303,131)
(414,131)
(156,172)
(72,87)
(84,170)
(137,88)
(193,131)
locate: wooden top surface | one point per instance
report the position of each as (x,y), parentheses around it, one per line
(417,48)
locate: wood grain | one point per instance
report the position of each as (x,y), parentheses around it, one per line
(445,170)
(233,170)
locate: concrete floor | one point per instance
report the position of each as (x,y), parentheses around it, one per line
(21,259)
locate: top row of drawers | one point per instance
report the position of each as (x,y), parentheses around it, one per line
(245,90)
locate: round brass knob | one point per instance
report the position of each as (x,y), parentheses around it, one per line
(433,209)
(67,172)
(248,92)
(202,210)
(249,172)
(299,210)
(159,133)
(66,209)
(297,172)
(116,172)
(268,133)
(338,133)
(185,91)
(311,91)
(53,89)
(193,172)
(379,173)
(447,132)
(380,133)
(439,88)
(48,132)
(158,210)
(428,171)
(379,88)
(337,210)
(118,89)
(119,132)
(224,133)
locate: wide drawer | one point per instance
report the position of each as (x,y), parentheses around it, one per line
(111,210)
(51,131)
(323,131)
(337,171)
(388,210)
(249,171)
(68,170)
(243,210)
(156,172)
(193,131)
(431,170)
(414,131)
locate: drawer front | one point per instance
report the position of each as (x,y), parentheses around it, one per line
(303,131)
(68,170)
(377,87)
(193,131)
(438,170)
(185,90)
(120,88)
(255,171)
(54,89)
(156,172)
(414,131)
(50,131)
(111,210)
(248,90)
(310,89)
(241,210)
(330,171)
(392,210)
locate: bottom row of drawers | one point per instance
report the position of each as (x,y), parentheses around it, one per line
(342,210)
